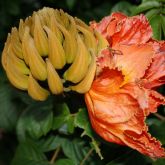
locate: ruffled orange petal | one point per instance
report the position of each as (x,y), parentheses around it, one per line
(105,60)
(108,81)
(134,61)
(119,28)
(134,30)
(120,120)
(147,99)
(144,143)
(114,108)
(155,74)
(137,92)
(107,26)
(117,113)
(155,99)
(100,128)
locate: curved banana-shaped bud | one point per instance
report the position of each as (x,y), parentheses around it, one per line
(29,22)
(58,17)
(18,79)
(36,63)
(54,81)
(102,42)
(72,26)
(64,18)
(17,62)
(50,44)
(86,83)
(54,28)
(25,49)
(70,44)
(44,16)
(4,52)
(35,90)
(40,38)
(56,51)
(89,38)
(79,67)
(82,24)
(21,29)
(16,44)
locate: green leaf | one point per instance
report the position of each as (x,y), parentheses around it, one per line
(156,26)
(95,145)
(61,114)
(50,143)
(82,121)
(64,162)
(24,97)
(161,0)
(151,0)
(35,121)
(151,13)
(121,7)
(73,150)
(159,162)
(146,6)
(163,10)
(163,24)
(27,153)
(63,120)
(70,124)
(76,150)
(9,110)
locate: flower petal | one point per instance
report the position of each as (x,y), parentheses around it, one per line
(114,108)
(119,28)
(134,30)
(99,128)
(155,99)
(155,74)
(147,99)
(108,81)
(105,59)
(144,143)
(118,114)
(137,92)
(118,118)
(107,26)
(134,61)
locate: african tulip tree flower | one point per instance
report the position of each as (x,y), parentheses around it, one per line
(51,48)
(122,94)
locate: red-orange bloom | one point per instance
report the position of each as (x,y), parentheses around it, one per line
(122,93)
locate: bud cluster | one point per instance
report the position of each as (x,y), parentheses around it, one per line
(51,47)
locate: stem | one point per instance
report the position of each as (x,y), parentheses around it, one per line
(55,155)
(159,116)
(86,156)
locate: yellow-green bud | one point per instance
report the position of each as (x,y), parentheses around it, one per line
(53,47)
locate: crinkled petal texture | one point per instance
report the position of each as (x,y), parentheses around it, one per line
(122,94)
(126,30)
(117,114)
(155,74)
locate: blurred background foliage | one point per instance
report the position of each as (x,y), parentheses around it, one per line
(58,131)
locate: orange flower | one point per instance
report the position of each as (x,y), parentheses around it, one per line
(122,94)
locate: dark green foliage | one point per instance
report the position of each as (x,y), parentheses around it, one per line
(32,133)
(155,12)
